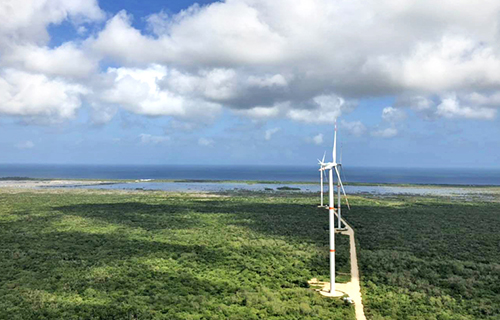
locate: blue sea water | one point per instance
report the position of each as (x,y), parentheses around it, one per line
(241,172)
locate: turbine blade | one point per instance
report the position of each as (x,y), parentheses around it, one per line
(341,171)
(341,153)
(324,154)
(335,143)
(343,190)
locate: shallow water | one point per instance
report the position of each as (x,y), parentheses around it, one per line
(220,187)
(467,176)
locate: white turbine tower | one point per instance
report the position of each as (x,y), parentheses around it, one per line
(331,166)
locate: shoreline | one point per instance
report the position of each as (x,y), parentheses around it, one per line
(82,182)
(276,188)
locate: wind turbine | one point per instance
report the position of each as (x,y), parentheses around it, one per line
(331,166)
(321,173)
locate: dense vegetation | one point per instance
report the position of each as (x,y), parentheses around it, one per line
(154,255)
(428,258)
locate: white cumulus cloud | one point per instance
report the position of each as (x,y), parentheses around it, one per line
(450,107)
(138,91)
(36,95)
(38,82)
(325,109)
(65,60)
(305,60)
(27,20)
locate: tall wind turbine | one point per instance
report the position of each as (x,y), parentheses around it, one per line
(331,166)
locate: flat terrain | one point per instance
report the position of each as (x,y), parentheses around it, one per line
(70,254)
(81,254)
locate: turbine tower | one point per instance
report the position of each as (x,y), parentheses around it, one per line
(331,166)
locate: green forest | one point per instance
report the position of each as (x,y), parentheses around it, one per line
(428,258)
(154,255)
(75,254)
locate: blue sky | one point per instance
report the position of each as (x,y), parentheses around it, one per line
(156,82)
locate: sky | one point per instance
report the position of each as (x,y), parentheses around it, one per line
(411,83)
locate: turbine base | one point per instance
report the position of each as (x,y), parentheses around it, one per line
(324,289)
(335,294)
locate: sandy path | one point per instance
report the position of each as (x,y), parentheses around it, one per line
(353,288)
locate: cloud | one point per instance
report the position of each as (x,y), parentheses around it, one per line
(36,81)
(276,80)
(81,30)
(325,109)
(485,100)
(385,133)
(122,42)
(393,115)
(158,23)
(355,128)
(318,139)
(450,107)
(423,106)
(261,112)
(416,103)
(25,145)
(66,60)
(197,35)
(156,90)
(269,133)
(455,49)
(150,139)
(468,105)
(138,91)
(26,21)
(206,142)
(454,62)
(37,96)
(307,60)
(233,88)
(101,114)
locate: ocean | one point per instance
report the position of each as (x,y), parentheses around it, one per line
(250,172)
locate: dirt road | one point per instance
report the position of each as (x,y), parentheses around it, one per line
(353,288)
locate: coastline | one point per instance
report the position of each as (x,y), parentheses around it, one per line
(27,181)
